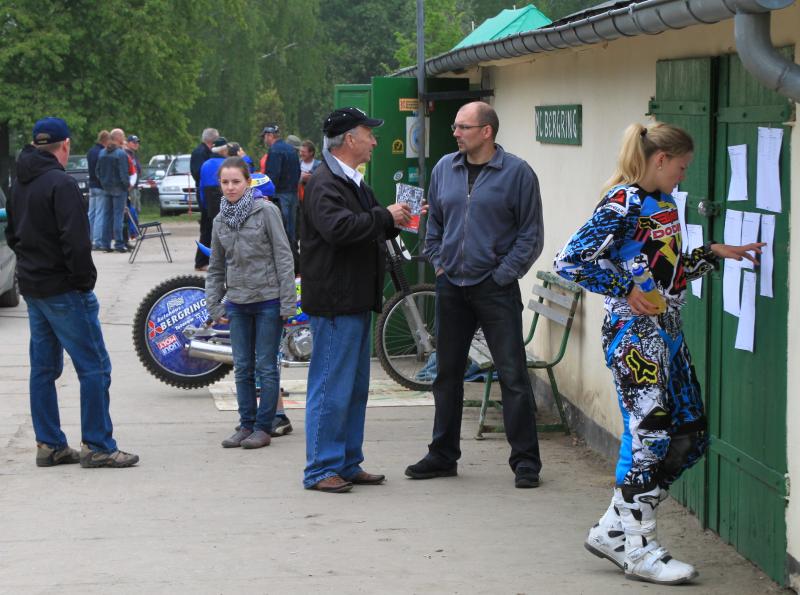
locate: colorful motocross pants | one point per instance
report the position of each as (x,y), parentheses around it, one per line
(659,398)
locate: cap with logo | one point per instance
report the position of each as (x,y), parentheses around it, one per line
(50,130)
(343,119)
(133,138)
(270,129)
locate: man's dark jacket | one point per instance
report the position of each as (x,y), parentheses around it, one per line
(342,244)
(200,155)
(283,167)
(48,228)
(91,158)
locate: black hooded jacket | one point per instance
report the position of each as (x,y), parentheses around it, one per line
(48,228)
(343,229)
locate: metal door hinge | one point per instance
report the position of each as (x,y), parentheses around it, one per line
(788,486)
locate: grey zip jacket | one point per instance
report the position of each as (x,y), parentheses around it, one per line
(253,264)
(495,230)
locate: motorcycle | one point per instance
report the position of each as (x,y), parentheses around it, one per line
(176,346)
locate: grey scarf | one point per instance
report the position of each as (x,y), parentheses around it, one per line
(234,214)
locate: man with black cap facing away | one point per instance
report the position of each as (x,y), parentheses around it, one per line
(342,256)
(49,232)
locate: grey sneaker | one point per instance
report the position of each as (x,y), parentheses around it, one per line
(48,457)
(235,441)
(281,426)
(257,439)
(92,459)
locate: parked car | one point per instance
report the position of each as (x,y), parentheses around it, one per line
(176,191)
(9,291)
(78,168)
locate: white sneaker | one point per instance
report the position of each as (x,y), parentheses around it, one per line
(607,542)
(654,564)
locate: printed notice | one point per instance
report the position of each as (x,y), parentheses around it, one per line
(768,181)
(413,197)
(767,254)
(695,240)
(680,202)
(738,186)
(732,271)
(745,331)
(750,224)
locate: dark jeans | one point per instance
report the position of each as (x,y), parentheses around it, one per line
(498,311)
(207,215)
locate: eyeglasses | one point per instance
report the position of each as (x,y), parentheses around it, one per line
(463,127)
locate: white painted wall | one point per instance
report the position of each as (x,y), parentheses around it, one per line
(614,82)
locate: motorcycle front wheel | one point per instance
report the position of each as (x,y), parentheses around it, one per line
(158,336)
(397,337)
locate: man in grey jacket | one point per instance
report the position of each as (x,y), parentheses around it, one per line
(484,233)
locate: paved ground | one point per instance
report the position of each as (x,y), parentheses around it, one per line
(195,518)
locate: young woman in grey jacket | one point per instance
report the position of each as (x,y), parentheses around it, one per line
(251,263)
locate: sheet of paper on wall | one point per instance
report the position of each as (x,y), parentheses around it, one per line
(750,225)
(737,190)
(695,240)
(767,253)
(746,329)
(680,202)
(768,180)
(731,271)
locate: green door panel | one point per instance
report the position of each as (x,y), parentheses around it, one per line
(684,96)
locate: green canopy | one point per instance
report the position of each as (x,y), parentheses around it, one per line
(508,22)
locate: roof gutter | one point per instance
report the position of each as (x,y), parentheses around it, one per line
(759,57)
(649,17)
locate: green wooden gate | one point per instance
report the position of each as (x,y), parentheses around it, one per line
(739,490)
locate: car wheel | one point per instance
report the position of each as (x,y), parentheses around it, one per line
(10,298)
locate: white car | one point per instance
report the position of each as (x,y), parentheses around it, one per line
(176,192)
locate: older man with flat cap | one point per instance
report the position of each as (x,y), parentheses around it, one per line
(342,255)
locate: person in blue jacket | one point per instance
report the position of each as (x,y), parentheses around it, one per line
(659,397)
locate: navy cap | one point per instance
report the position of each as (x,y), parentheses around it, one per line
(220,142)
(343,119)
(50,130)
(270,129)
(133,138)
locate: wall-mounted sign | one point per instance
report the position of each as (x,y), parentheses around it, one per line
(398,148)
(559,124)
(413,140)
(408,104)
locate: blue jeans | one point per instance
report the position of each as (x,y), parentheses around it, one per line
(288,202)
(336,403)
(95,200)
(498,311)
(118,200)
(69,321)
(255,337)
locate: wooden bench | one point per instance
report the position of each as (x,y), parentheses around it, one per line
(555,299)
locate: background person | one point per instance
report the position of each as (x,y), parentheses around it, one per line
(49,233)
(491,198)
(662,413)
(308,165)
(97,200)
(343,229)
(113,173)
(251,264)
(200,154)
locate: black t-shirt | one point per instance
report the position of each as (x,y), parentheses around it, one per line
(473,171)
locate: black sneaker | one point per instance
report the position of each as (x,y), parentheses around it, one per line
(281,426)
(525,477)
(426,469)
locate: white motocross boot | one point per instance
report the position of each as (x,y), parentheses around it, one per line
(607,538)
(645,559)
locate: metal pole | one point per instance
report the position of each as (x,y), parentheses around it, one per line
(421,109)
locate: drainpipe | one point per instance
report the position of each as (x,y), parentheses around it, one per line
(759,57)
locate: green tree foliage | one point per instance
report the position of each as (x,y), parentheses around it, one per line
(100,64)
(444,27)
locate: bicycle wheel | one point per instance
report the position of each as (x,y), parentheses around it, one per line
(399,344)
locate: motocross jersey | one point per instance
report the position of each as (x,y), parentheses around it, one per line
(627,222)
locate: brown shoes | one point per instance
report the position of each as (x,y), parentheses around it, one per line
(368,479)
(333,484)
